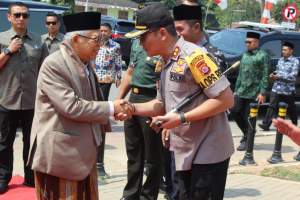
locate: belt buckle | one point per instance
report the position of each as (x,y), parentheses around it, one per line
(136,90)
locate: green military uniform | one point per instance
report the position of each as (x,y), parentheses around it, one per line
(252,80)
(144,77)
(142,143)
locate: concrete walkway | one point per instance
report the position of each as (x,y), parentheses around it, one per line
(239,186)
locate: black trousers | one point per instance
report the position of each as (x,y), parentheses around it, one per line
(10,120)
(203,181)
(273,108)
(142,143)
(105,88)
(172,184)
(240,113)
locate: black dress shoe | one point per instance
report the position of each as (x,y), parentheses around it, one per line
(297,157)
(101,172)
(264,127)
(242,146)
(3,188)
(29,184)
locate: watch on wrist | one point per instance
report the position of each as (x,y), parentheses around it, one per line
(182,118)
(7,51)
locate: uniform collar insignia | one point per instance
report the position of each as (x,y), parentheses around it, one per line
(176,52)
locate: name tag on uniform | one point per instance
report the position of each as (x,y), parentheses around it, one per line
(177,71)
(204,70)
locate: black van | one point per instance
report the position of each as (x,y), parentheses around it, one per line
(37,11)
(232,43)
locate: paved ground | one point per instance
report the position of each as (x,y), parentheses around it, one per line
(239,186)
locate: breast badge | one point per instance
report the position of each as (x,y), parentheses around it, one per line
(176,53)
(177,71)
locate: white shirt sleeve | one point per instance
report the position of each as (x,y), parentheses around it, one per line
(111,108)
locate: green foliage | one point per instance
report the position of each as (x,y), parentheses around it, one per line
(169,3)
(69,3)
(237,10)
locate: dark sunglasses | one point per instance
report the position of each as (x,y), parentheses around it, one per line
(18,15)
(96,39)
(248,42)
(51,23)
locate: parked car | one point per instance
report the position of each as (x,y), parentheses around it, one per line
(38,12)
(232,43)
(119,26)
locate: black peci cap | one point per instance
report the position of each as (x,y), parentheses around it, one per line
(187,12)
(253,35)
(155,15)
(288,44)
(82,21)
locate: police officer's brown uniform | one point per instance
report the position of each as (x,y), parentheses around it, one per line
(17,93)
(204,145)
(202,148)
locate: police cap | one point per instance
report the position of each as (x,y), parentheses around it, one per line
(155,15)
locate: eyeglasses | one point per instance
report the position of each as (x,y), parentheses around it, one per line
(248,42)
(18,15)
(96,39)
(51,23)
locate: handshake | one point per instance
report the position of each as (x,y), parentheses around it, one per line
(123,109)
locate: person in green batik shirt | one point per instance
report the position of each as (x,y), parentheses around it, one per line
(251,84)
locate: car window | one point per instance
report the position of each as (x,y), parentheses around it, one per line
(273,48)
(297,47)
(36,22)
(229,41)
(4,22)
(124,26)
(110,20)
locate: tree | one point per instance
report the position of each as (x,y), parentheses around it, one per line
(237,10)
(169,3)
(70,3)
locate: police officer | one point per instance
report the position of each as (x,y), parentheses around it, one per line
(251,83)
(200,134)
(188,24)
(53,38)
(142,143)
(19,64)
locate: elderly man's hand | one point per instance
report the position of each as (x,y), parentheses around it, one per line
(287,128)
(123,109)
